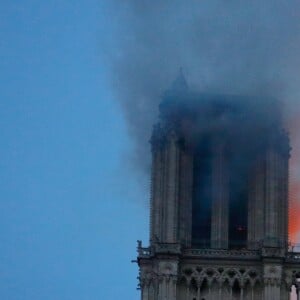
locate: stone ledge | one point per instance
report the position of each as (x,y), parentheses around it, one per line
(216,253)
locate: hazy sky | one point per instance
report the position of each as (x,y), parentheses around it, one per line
(70,209)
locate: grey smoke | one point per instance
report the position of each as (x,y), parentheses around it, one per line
(231,47)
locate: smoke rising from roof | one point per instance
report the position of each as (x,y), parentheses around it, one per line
(231,47)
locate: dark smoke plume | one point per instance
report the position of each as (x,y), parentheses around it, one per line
(225,47)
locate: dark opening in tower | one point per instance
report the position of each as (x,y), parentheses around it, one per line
(202,194)
(238,202)
(204,185)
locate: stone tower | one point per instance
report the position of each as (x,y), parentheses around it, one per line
(219,201)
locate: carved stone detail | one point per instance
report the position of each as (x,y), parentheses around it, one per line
(223,275)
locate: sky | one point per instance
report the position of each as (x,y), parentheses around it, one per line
(71,208)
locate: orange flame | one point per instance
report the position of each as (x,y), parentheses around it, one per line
(294,210)
(294,187)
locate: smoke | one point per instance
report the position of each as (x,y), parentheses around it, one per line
(235,47)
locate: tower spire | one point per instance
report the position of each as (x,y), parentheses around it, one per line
(180,83)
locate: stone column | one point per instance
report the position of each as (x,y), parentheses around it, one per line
(283,198)
(168,280)
(157,184)
(220,290)
(147,282)
(276,216)
(285,185)
(155,219)
(272,221)
(146,292)
(242,293)
(272,282)
(164,186)
(220,195)
(172,158)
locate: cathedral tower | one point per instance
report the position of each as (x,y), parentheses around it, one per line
(219,201)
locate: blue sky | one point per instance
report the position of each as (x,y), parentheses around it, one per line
(71,206)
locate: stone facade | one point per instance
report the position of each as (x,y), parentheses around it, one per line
(176,266)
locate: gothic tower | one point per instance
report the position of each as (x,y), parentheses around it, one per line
(219,201)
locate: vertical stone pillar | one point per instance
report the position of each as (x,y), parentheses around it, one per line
(276,222)
(186,197)
(145,292)
(220,290)
(220,195)
(156,192)
(167,280)
(171,284)
(172,156)
(272,237)
(198,290)
(165,181)
(276,200)
(161,288)
(286,196)
(272,282)
(256,210)
(157,184)
(283,198)
(146,285)
(242,293)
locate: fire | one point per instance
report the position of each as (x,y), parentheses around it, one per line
(294,188)
(294,211)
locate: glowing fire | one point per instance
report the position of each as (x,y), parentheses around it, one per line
(294,210)
(294,188)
